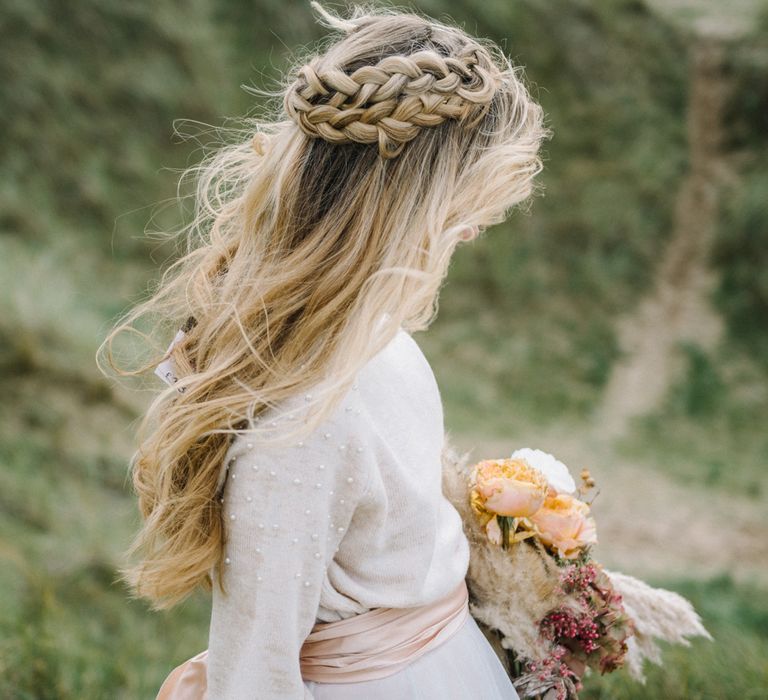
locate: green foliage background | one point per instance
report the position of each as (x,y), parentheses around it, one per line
(91,91)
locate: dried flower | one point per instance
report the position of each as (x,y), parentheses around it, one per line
(587,479)
(594,625)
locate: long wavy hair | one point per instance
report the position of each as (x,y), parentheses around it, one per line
(317,232)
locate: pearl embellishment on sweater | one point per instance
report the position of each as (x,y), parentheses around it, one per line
(346,446)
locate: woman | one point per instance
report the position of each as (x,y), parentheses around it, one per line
(294,466)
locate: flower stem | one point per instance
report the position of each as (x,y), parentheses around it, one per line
(504,523)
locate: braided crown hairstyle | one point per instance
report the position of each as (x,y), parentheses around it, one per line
(318,231)
(389,99)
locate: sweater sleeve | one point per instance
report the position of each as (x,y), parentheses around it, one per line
(286,510)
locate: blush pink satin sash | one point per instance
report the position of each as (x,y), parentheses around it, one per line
(373,644)
(381,641)
(188,681)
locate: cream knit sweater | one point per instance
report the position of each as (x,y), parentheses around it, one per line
(351,518)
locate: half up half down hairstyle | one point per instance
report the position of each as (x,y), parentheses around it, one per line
(316,234)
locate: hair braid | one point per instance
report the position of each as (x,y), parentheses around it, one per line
(388,103)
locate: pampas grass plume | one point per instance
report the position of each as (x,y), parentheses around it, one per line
(658,614)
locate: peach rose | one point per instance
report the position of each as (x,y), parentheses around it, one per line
(508,487)
(565,524)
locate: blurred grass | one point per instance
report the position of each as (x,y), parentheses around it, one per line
(734,666)
(527,314)
(711,428)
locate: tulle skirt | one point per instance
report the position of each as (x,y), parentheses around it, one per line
(464,667)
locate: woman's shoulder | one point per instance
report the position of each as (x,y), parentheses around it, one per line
(397,379)
(401,373)
(400,358)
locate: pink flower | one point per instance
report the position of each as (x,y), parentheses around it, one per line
(508,487)
(565,524)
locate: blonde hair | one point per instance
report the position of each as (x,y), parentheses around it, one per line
(316,235)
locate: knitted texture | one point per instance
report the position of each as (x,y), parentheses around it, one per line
(351,518)
(390,102)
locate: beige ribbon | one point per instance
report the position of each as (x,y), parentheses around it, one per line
(371,645)
(188,681)
(381,641)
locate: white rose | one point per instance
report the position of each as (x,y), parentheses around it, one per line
(555,472)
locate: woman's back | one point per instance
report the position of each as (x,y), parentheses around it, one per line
(349,519)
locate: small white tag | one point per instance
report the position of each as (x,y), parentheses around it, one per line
(166,370)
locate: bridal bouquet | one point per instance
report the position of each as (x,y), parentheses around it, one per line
(534,584)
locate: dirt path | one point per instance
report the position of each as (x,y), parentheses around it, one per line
(652,525)
(728,21)
(678,310)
